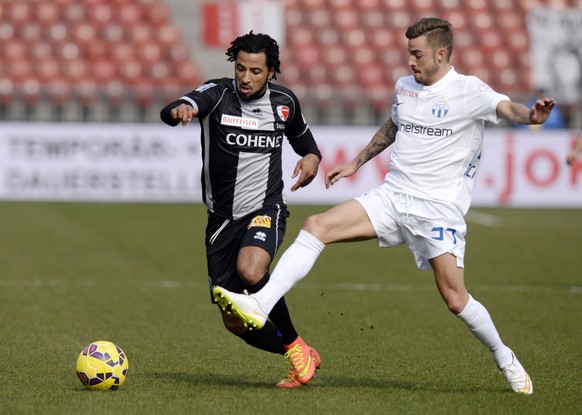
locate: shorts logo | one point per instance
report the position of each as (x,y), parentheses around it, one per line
(440,109)
(261,236)
(260,222)
(283,112)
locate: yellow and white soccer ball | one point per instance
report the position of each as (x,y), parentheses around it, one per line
(102,365)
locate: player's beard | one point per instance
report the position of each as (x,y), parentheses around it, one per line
(427,75)
(254,96)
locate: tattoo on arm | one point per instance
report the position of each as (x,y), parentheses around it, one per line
(382,139)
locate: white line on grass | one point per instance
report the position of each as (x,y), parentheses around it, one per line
(172,284)
(484,219)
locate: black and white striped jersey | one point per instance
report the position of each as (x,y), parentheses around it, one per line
(242,144)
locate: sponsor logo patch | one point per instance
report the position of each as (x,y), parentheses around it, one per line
(233,120)
(407,92)
(260,222)
(484,87)
(424,130)
(204,87)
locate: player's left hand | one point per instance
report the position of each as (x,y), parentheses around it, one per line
(540,111)
(339,172)
(306,168)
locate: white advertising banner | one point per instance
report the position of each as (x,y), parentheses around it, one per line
(158,163)
(99,162)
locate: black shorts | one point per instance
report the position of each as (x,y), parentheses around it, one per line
(264,228)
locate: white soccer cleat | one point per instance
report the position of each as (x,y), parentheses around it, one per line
(243,306)
(517,377)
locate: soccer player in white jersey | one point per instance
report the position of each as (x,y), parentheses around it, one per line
(436,129)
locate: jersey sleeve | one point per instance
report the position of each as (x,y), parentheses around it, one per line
(205,97)
(394,112)
(481,100)
(296,126)
(298,132)
(165,113)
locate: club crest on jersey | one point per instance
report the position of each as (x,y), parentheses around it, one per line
(283,112)
(440,109)
(260,222)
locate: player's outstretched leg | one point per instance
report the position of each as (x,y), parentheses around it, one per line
(517,377)
(243,306)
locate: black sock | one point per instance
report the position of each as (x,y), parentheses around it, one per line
(268,338)
(257,287)
(281,317)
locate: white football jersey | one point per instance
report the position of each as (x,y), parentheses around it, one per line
(440,136)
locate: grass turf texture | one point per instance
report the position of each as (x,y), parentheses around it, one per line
(136,275)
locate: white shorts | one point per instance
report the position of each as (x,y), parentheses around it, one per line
(429,228)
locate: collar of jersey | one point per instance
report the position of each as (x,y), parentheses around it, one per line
(443,82)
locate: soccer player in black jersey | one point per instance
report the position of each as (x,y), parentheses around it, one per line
(243,123)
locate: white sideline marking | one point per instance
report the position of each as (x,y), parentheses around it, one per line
(169,284)
(484,219)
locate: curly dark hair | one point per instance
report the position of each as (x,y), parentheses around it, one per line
(256,43)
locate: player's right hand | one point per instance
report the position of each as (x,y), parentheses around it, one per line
(184,113)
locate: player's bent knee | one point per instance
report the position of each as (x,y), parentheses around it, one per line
(249,277)
(456,304)
(313,225)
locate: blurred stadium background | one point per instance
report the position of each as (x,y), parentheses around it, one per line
(81,86)
(122,60)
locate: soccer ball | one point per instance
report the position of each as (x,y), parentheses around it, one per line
(102,365)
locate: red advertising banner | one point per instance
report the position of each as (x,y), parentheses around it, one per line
(224,21)
(220,23)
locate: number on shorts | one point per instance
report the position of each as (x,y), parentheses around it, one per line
(441,233)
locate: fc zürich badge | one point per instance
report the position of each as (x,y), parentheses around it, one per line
(283,112)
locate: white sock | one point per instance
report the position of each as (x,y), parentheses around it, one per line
(293,265)
(477,318)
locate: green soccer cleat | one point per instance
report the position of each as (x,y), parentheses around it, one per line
(245,307)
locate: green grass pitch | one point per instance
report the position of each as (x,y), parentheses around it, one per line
(135,274)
